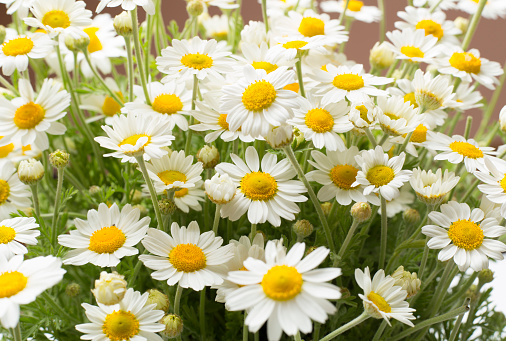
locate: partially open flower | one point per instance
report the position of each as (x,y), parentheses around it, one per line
(30,171)
(110,288)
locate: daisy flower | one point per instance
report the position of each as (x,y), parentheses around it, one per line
(456,149)
(466,97)
(382,298)
(170,101)
(493,9)
(469,66)
(321,123)
(131,319)
(22,281)
(107,236)
(16,52)
(217,27)
(316,59)
(355,10)
(14,195)
(289,47)
(191,259)
(432,93)
(258,101)
(381,174)
(494,181)
(443,5)
(397,117)
(15,234)
(338,83)
(103,103)
(206,59)
(57,17)
(286,290)
(417,139)
(337,172)
(261,57)
(363,114)
(30,118)
(431,188)
(20,7)
(132,135)
(128,5)
(254,33)
(413,45)
(16,152)
(460,233)
(265,192)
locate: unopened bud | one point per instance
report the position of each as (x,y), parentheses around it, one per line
(209,156)
(30,171)
(303,228)
(160,299)
(195,8)
(94,190)
(220,189)
(361,211)
(72,290)
(123,24)
(462,24)
(326,208)
(59,158)
(77,44)
(411,216)
(279,137)
(486,276)
(407,280)
(167,206)
(472,292)
(173,326)
(345,293)
(298,136)
(110,288)
(381,57)
(502,118)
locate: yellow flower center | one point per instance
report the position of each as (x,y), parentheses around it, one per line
(222,121)
(11,283)
(187,258)
(18,46)
(391,116)
(268,67)
(259,186)
(167,104)
(223,35)
(430,27)
(5,190)
(466,149)
(420,134)
(107,240)
(465,61)
(292,87)
(7,234)
(379,301)
(348,82)
(169,177)
(410,97)
(363,113)
(110,106)
(282,283)
(466,234)
(412,52)
(6,150)
(380,175)
(132,140)
(355,5)
(310,27)
(319,120)
(56,19)
(343,176)
(95,44)
(295,44)
(197,61)
(29,115)
(503,183)
(120,325)
(259,96)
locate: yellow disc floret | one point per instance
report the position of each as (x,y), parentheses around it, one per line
(107,240)
(348,82)
(132,140)
(430,27)
(363,113)
(120,325)
(503,183)
(412,52)
(5,190)
(380,175)
(379,301)
(11,283)
(268,67)
(420,134)
(110,106)
(222,121)
(28,116)
(319,120)
(295,44)
(18,46)
(7,234)
(343,176)
(310,27)
(259,96)
(355,5)
(170,176)
(187,258)
(466,149)
(258,186)
(282,283)
(6,150)
(56,19)
(95,43)
(167,104)
(465,61)
(466,234)
(197,61)
(410,97)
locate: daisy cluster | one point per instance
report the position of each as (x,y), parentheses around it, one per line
(253,162)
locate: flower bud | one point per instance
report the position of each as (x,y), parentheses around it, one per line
(209,156)
(3,33)
(502,118)
(462,24)
(279,137)
(94,190)
(381,57)
(411,216)
(326,208)
(59,158)
(30,171)
(173,326)
(220,189)
(195,8)
(72,290)
(123,24)
(302,228)
(486,276)
(361,211)
(472,293)
(298,136)
(77,44)
(167,206)
(407,280)
(160,299)
(110,288)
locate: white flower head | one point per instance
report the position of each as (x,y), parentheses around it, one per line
(413,45)
(220,189)
(494,181)
(397,117)
(431,188)
(432,93)
(493,9)
(110,288)
(15,234)
(14,195)
(128,5)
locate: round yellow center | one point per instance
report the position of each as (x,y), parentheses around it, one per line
(465,61)
(120,325)
(319,120)
(282,283)
(363,113)
(7,234)
(268,67)
(412,52)
(6,150)
(111,107)
(259,186)
(29,115)
(466,149)
(466,234)
(295,44)
(343,176)
(430,27)
(259,96)
(310,27)
(107,240)
(169,177)
(380,175)
(410,97)
(197,61)
(5,190)
(355,5)
(420,134)
(132,140)
(95,44)
(167,104)
(503,183)
(222,121)
(348,82)
(56,19)
(11,283)
(380,302)
(391,116)
(292,87)
(187,258)
(18,46)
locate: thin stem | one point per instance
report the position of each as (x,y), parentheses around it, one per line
(472,26)
(245,329)
(130,68)
(202,311)
(426,247)
(371,137)
(177,298)
(347,240)
(491,105)
(138,53)
(384,233)
(316,331)
(194,103)
(380,330)
(216,222)
(341,17)
(470,190)
(456,327)
(469,124)
(433,8)
(298,66)
(264,15)
(237,14)
(101,80)
(35,199)
(152,192)
(383,140)
(359,319)
(442,288)
(405,143)
(296,337)
(381,6)
(16,333)
(8,85)
(57,202)
(253,232)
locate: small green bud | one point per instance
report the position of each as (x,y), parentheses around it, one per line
(160,299)
(72,290)
(411,216)
(173,326)
(361,211)
(59,158)
(167,206)
(195,8)
(486,276)
(302,228)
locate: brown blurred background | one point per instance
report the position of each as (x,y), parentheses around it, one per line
(489,38)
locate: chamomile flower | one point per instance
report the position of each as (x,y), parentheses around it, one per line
(133,135)
(169,101)
(15,234)
(431,188)
(337,172)
(456,149)
(260,57)
(206,59)
(22,281)
(432,93)
(289,47)
(338,83)
(185,198)
(14,194)
(494,183)
(254,33)
(381,174)
(493,9)
(464,235)
(16,152)
(186,257)
(258,101)
(222,4)
(285,290)
(107,236)
(217,27)
(20,7)
(57,17)
(267,193)
(128,5)
(413,45)
(103,103)
(321,123)
(466,97)
(382,298)
(130,319)
(31,117)
(397,117)
(363,114)
(355,10)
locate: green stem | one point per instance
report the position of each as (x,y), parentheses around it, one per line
(264,15)
(371,138)
(381,6)
(202,311)
(456,327)
(469,123)
(245,332)
(384,233)
(341,17)
(16,333)
(347,240)
(442,288)
(425,256)
(138,53)
(433,8)
(237,14)
(57,202)
(216,222)
(101,80)
(470,190)
(76,71)
(405,143)
(472,26)
(177,299)
(194,103)
(296,337)
(472,313)
(35,199)
(298,66)
(8,85)
(491,105)
(384,138)
(316,331)
(359,319)
(152,192)
(380,330)
(130,68)
(253,232)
